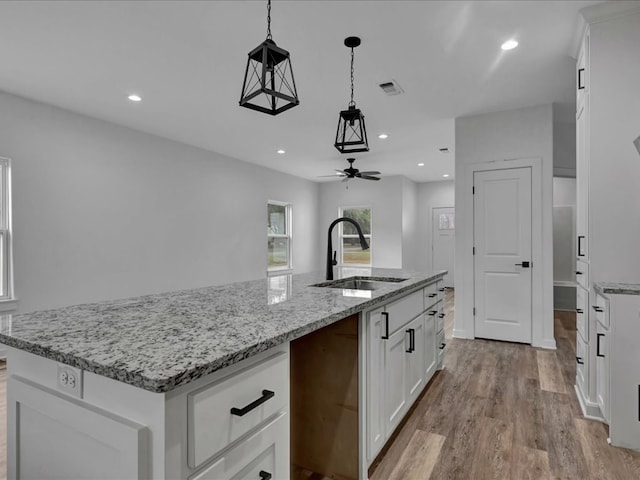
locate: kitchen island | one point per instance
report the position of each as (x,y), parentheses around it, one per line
(196,384)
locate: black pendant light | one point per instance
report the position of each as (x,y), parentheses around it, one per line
(268,85)
(351,136)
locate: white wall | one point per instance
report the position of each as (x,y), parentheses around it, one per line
(102,211)
(564,243)
(431,195)
(385,199)
(491,137)
(410,240)
(564,140)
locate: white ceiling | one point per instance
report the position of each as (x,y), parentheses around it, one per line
(187,60)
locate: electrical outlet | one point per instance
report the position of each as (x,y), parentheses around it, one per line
(70,380)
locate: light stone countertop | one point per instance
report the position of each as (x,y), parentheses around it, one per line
(159,342)
(611,288)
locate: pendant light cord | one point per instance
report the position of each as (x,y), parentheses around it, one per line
(352,102)
(268,19)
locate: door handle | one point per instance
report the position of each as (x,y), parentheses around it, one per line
(523,264)
(412,340)
(598,336)
(386,323)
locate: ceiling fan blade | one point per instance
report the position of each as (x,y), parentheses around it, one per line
(345,179)
(332,175)
(370,173)
(368,177)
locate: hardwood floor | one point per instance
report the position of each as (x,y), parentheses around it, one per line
(504,411)
(497,411)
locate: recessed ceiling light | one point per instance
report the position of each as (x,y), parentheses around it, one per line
(445,175)
(281,152)
(382,136)
(421,164)
(135,98)
(509,45)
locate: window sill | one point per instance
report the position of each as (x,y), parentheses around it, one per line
(279,271)
(8,305)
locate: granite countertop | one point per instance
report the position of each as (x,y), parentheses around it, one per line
(159,342)
(612,288)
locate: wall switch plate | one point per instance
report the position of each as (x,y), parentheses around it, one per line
(70,380)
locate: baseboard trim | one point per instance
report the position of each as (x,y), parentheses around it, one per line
(549,344)
(589,410)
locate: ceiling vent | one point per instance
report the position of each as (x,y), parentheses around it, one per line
(391,87)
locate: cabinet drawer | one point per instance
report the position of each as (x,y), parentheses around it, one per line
(582,273)
(402,311)
(582,359)
(254,394)
(582,312)
(601,310)
(267,450)
(431,294)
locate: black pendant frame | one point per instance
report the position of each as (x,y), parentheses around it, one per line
(351,135)
(269,73)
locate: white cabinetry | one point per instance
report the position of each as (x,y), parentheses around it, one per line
(617,367)
(607,176)
(400,358)
(233,423)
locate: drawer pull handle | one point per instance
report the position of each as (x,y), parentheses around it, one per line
(597,309)
(386,323)
(442,345)
(578,273)
(431,295)
(579,310)
(433,312)
(265,475)
(598,336)
(240,412)
(412,340)
(579,360)
(442,289)
(441,315)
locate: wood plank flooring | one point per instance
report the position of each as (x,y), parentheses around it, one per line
(498,411)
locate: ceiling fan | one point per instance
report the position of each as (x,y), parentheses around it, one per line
(352,172)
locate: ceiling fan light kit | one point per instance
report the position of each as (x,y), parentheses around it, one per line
(351,135)
(269,86)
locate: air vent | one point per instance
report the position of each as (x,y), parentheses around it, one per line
(391,87)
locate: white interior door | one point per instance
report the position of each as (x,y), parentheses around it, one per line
(443,241)
(502,259)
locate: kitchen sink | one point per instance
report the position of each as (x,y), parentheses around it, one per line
(360,283)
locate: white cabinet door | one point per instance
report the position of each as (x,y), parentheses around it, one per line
(395,379)
(415,357)
(430,355)
(582,186)
(602,369)
(377,329)
(54,436)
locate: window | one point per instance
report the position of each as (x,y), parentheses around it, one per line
(6,280)
(351,250)
(278,236)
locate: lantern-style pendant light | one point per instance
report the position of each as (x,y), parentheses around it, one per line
(351,136)
(268,85)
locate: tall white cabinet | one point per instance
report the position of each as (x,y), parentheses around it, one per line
(608,186)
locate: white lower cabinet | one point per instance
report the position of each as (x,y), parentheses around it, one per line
(401,356)
(232,424)
(602,369)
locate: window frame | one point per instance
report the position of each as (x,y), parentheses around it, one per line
(7,299)
(341,236)
(288,235)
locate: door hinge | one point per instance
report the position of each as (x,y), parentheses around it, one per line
(474,311)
